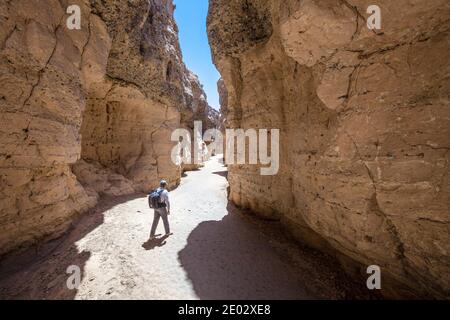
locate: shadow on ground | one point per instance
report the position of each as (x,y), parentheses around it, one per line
(155,243)
(40,272)
(222,173)
(242,257)
(228,260)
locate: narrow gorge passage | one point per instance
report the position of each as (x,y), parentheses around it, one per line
(216,252)
(101,100)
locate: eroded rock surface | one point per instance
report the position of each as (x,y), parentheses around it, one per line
(223,100)
(98,104)
(198,110)
(42,99)
(365,127)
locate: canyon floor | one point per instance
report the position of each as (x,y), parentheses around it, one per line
(217,251)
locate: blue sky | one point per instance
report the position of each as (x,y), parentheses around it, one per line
(190,16)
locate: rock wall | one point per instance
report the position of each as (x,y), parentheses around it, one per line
(84,113)
(198,110)
(136,102)
(223,100)
(365,128)
(41,100)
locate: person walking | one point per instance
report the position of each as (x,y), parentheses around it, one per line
(162,211)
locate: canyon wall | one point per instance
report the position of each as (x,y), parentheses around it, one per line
(223,100)
(88,112)
(199,110)
(364,121)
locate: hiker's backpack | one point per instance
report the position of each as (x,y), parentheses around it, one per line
(154,199)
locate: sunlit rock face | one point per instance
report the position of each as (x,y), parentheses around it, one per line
(84,113)
(223,100)
(133,109)
(365,128)
(198,111)
(42,97)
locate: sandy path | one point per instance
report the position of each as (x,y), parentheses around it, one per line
(216,252)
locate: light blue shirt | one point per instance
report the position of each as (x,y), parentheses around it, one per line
(165,198)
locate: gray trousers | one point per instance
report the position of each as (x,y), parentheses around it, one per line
(160,213)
